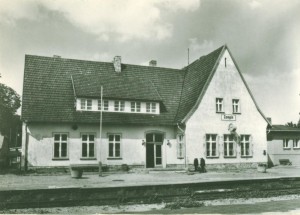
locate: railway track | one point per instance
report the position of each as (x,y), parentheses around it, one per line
(148,194)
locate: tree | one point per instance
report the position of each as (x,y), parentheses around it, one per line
(9,104)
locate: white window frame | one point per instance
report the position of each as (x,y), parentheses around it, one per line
(114,142)
(60,142)
(119,106)
(236,107)
(86,104)
(88,142)
(209,141)
(229,141)
(135,107)
(180,146)
(296,144)
(219,105)
(105,105)
(150,107)
(244,143)
(287,143)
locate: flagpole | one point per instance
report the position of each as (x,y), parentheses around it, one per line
(100,132)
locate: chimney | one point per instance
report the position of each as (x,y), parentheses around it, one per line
(270,120)
(117,63)
(153,63)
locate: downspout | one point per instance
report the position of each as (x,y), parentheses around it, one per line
(26,149)
(183,132)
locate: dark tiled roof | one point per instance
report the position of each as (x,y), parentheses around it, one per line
(115,86)
(284,128)
(196,77)
(48,91)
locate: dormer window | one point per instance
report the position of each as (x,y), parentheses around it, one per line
(219,105)
(86,104)
(135,106)
(105,105)
(150,107)
(119,105)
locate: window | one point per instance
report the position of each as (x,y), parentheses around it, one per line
(245,146)
(135,107)
(105,104)
(236,106)
(119,105)
(229,146)
(88,146)
(287,143)
(86,104)
(219,105)
(151,107)
(211,145)
(60,149)
(296,143)
(114,146)
(180,146)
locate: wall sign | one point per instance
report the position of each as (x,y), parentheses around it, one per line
(228,117)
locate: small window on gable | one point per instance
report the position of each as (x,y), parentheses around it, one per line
(219,105)
(236,106)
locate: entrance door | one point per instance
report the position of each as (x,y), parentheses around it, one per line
(154,143)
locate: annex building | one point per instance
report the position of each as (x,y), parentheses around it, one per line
(152,117)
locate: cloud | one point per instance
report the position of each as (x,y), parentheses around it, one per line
(123,19)
(254,4)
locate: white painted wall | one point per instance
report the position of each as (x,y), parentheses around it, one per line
(40,145)
(276,152)
(226,84)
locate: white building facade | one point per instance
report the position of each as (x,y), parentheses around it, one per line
(149,117)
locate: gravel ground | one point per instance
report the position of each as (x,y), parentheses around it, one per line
(152,208)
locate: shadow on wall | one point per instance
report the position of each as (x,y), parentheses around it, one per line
(270,162)
(4,151)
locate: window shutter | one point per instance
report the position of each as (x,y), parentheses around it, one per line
(218,149)
(204,145)
(251,145)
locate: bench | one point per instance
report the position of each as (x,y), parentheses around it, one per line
(285,162)
(77,170)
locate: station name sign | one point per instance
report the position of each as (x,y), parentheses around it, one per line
(228,117)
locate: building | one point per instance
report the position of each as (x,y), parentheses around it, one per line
(284,145)
(152,117)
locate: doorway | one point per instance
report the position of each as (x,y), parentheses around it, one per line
(154,142)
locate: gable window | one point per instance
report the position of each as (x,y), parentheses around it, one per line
(119,105)
(219,105)
(88,146)
(287,143)
(135,107)
(86,104)
(296,143)
(211,145)
(180,146)
(236,106)
(229,146)
(245,146)
(105,104)
(60,148)
(114,146)
(150,107)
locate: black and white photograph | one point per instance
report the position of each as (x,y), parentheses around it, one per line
(150,107)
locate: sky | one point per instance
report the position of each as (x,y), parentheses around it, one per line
(262,35)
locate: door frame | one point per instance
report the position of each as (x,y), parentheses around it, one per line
(155,143)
